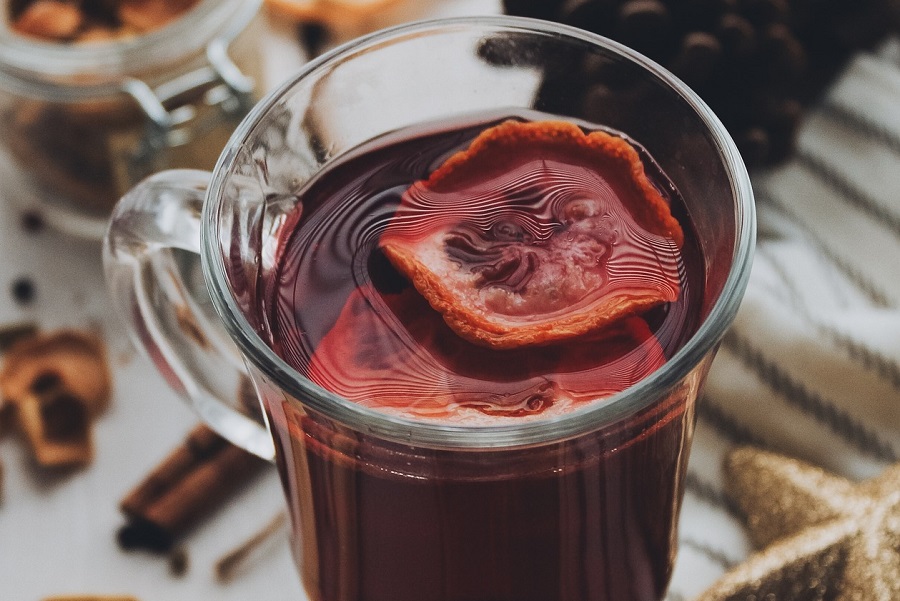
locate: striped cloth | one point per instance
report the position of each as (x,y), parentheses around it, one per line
(811,366)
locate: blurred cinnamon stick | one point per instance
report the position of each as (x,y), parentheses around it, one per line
(189,485)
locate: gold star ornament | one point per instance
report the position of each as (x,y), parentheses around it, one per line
(824,538)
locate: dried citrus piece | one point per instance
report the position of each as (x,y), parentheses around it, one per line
(537,233)
(147,15)
(328,11)
(389,351)
(49,20)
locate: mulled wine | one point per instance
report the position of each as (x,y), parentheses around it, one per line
(443,274)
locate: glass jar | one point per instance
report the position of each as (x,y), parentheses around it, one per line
(84,122)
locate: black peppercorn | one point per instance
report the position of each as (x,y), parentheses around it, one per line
(32,222)
(23,290)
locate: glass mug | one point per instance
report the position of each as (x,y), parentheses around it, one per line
(580,506)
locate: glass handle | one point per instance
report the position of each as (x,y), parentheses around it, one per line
(151,256)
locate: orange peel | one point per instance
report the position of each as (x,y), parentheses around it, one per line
(537,233)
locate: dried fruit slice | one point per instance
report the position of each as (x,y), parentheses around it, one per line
(329,11)
(57,383)
(49,20)
(392,353)
(537,233)
(147,15)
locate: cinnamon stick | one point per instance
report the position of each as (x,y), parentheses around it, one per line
(188,486)
(200,444)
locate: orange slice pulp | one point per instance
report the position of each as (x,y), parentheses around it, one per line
(537,233)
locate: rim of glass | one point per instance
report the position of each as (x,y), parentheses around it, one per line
(36,62)
(435,434)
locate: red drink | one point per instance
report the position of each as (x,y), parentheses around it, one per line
(588,518)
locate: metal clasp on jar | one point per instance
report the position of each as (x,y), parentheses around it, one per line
(184,108)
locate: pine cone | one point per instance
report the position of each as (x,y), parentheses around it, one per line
(757,63)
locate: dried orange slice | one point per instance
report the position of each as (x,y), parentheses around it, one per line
(49,20)
(392,353)
(147,15)
(328,11)
(537,233)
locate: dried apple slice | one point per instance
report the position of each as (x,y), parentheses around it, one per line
(57,383)
(537,233)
